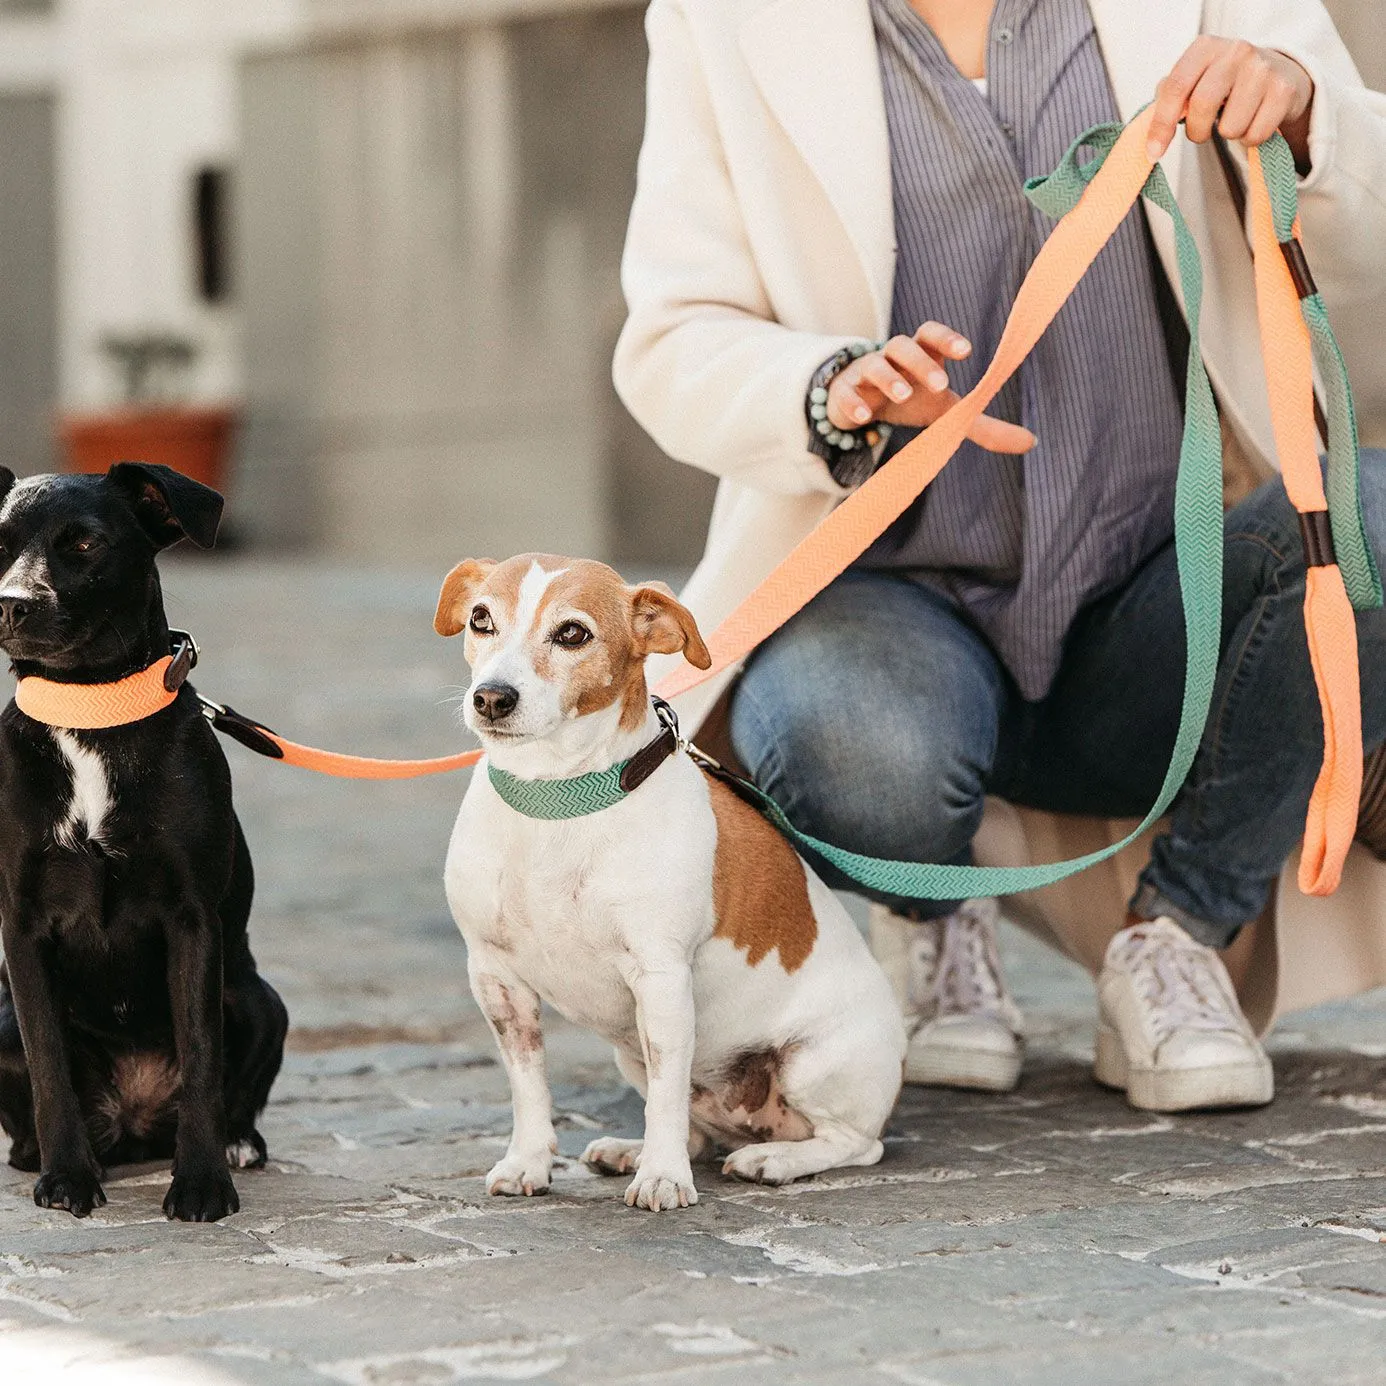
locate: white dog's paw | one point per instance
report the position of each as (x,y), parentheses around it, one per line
(610,1155)
(247,1153)
(764,1164)
(657,1189)
(520,1174)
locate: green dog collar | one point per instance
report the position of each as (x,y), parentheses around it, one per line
(598,789)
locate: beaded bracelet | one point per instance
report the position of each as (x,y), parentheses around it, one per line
(848,452)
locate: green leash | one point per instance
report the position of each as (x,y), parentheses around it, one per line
(1198,542)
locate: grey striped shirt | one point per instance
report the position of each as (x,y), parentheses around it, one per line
(1023,543)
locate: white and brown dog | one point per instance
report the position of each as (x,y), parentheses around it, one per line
(677,922)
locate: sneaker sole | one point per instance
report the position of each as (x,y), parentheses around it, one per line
(938,1066)
(1250,1084)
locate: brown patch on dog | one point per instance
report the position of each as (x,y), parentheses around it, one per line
(746,1102)
(759,889)
(455,598)
(607,669)
(144,1089)
(663,625)
(517,1030)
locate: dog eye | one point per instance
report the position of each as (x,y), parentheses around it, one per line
(80,543)
(571,635)
(481,622)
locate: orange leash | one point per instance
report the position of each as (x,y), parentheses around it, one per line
(1329,623)
(865,514)
(367,767)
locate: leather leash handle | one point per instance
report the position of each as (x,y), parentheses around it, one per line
(1330,626)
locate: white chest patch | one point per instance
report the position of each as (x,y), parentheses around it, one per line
(91,792)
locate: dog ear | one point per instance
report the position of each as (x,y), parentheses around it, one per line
(663,625)
(6,482)
(455,600)
(169,505)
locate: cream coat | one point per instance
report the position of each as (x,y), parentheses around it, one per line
(761,239)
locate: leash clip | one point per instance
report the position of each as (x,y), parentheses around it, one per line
(185,656)
(240,728)
(210,710)
(669,720)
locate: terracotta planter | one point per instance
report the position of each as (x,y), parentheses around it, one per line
(193,440)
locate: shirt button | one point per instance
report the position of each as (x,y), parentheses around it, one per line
(1008,128)
(1004,36)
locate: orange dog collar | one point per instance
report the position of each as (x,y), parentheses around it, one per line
(96,706)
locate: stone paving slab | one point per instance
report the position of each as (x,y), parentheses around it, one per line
(1048,1236)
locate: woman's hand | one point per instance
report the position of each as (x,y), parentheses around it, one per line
(905,383)
(1246,93)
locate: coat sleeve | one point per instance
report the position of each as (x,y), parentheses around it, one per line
(701,363)
(1342,198)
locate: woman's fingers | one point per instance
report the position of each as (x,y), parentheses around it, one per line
(1276,108)
(996,435)
(1229,85)
(935,337)
(1172,95)
(877,371)
(1245,99)
(907,356)
(1212,90)
(848,405)
(905,383)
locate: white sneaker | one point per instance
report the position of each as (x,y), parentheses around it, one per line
(964,1029)
(1170,1030)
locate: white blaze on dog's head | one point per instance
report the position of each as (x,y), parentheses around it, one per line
(551,639)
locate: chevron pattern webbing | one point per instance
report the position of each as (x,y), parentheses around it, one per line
(554,799)
(95,706)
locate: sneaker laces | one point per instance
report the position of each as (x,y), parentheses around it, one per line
(966,967)
(1179,982)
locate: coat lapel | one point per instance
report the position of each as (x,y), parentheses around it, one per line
(1140,43)
(815,64)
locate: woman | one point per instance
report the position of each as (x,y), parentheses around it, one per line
(821,174)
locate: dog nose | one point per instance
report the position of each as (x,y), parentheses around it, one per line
(13,610)
(495,700)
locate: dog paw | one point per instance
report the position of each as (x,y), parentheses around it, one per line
(521,1175)
(612,1156)
(79,1191)
(204,1196)
(658,1189)
(758,1165)
(250,1152)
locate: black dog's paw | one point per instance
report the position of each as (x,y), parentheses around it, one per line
(249,1152)
(79,1191)
(201,1196)
(24,1155)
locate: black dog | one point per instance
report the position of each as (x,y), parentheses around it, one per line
(133,1024)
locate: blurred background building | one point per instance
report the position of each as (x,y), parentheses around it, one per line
(391,228)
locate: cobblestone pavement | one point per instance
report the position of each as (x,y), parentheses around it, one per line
(1044,1237)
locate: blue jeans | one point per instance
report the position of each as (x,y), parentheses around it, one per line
(879,719)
